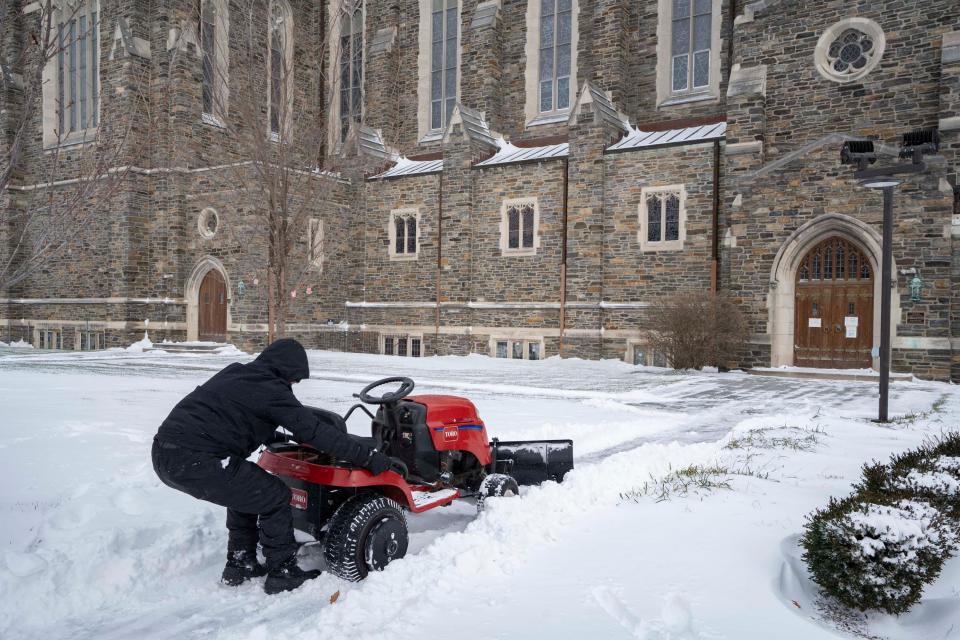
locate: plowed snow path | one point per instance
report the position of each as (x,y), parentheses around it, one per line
(95,547)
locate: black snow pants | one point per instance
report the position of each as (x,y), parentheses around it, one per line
(248,492)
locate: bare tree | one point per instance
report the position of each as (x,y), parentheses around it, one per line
(50,192)
(695,330)
(271,108)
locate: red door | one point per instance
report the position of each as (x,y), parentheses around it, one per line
(213,308)
(833,325)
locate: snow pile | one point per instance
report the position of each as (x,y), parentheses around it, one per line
(19,344)
(140,345)
(229,350)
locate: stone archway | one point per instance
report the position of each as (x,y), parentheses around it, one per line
(192,294)
(781,297)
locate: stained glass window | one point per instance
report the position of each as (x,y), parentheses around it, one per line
(850,52)
(208,16)
(672,230)
(521,226)
(664,214)
(401,227)
(281,41)
(405,234)
(653,218)
(444,26)
(556,26)
(527,226)
(513,216)
(78,54)
(411,235)
(690,42)
(351,67)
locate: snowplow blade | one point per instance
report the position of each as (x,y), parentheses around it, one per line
(533,461)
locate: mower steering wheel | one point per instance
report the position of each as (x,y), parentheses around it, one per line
(406,387)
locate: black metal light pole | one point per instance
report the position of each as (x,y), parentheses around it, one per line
(886,283)
(861,152)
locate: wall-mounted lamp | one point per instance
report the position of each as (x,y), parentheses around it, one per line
(916,286)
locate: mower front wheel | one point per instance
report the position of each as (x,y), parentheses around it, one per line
(366,533)
(496,485)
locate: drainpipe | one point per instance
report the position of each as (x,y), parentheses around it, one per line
(436,316)
(715,249)
(563,254)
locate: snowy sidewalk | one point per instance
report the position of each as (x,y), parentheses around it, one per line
(93,546)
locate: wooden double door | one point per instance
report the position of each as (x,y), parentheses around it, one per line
(833,325)
(212,316)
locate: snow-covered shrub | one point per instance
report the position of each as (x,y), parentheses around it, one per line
(872,553)
(930,473)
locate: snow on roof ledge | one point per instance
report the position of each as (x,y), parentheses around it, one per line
(689,135)
(510,154)
(405,167)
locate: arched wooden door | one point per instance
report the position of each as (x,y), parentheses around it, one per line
(212,316)
(833,325)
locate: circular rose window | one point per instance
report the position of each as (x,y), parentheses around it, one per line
(849,50)
(208,222)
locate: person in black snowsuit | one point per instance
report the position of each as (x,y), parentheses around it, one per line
(202,448)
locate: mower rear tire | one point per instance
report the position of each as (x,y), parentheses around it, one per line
(366,533)
(496,485)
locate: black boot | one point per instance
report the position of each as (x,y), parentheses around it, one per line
(241,566)
(287,576)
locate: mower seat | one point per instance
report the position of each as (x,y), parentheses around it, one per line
(370,442)
(329,418)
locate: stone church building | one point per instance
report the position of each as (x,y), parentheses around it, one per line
(516,178)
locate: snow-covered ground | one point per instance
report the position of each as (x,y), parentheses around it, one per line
(93,546)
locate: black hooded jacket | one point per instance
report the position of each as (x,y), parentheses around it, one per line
(237,410)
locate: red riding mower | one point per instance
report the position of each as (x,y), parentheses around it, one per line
(440,453)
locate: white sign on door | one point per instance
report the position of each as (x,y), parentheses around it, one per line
(851,321)
(814,322)
(851,331)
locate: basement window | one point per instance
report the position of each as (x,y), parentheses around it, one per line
(518,349)
(90,341)
(642,354)
(401,345)
(49,339)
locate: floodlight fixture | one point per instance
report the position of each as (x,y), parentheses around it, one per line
(858,152)
(919,143)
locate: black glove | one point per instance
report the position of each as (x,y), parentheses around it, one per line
(377,462)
